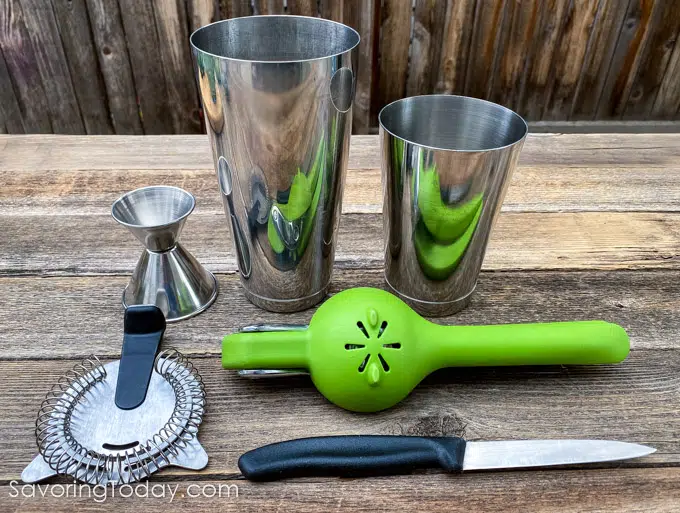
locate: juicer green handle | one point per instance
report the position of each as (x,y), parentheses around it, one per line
(559,343)
(277,350)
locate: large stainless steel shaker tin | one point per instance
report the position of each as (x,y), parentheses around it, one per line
(277,92)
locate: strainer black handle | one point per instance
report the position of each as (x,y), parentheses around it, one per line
(143,330)
(352,455)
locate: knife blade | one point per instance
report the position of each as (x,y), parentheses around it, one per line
(361,455)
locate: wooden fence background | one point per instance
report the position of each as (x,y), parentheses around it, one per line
(124,66)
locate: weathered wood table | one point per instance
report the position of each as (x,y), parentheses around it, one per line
(590,229)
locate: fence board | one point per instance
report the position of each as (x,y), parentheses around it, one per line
(234,8)
(603,37)
(334,9)
(428,31)
(653,64)
(173,36)
(114,64)
(569,57)
(17,50)
(625,59)
(515,43)
(202,12)
(541,58)
(147,69)
(51,60)
(667,102)
(455,46)
(483,47)
(395,32)
(76,36)
(303,7)
(268,7)
(10,114)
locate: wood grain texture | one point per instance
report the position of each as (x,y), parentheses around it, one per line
(74,316)
(54,70)
(364,18)
(584,240)
(603,38)
(569,57)
(173,37)
(477,403)
(486,29)
(667,102)
(428,31)
(81,55)
(517,33)
(10,112)
(29,153)
(235,8)
(654,61)
(455,47)
(612,490)
(395,34)
(335,9)
(148,70)
(540,66)
(303,7)
(202,12)
(114,64)
(268,7)
(17,50)
(626,58)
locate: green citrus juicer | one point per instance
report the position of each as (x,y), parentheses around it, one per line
(365,349)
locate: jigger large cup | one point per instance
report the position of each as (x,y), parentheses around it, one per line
(277,93)
(446,164)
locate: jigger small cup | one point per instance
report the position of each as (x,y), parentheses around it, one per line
(167,275)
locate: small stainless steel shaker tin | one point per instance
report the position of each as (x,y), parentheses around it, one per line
(446,164)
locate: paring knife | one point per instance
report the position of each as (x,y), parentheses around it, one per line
(361,455)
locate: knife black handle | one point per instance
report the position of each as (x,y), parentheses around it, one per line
(354,455)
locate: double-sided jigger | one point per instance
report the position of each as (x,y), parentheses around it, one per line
(167,275)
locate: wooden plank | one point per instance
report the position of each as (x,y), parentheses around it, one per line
(334,9)
(114,63)
(364,18)
(175,56)
(51,60)
(303,7)
(644,303)
(603,39)
(486,30)
(580,240)
(455,47)
(478,403)
(17,50)
(517,35)
(569,58)
(268,7)
(147,69)
(28,153)
(549,188)
(202,12)
(76,36)
(538,72)
(547,491)
(395,33)
(10,112)
(625,60)
(428,32)
(654,61)
(235,8)
(667,102)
